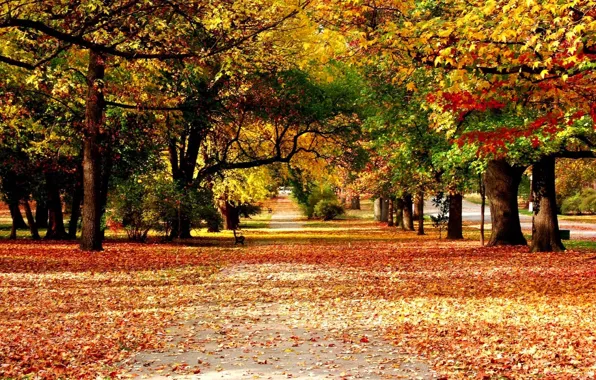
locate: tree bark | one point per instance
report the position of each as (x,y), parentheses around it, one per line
(384,210)
(41,214)
(355,202)
(17,218)
(75,212)
(399,213)
(420,211)
(377,206)
(545,226)
(31,221)
(454,224)
(502,181)
(408,212)
(482,210)
(91,232)
(231,216)
(183,160)
(13,231)
(106,171)
(415,215)
(55,229)
(390,222)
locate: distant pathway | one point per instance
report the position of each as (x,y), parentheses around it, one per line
(254,328)
(471,212)
(286,215)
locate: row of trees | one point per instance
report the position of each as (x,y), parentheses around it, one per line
(99,91)
(462,89)
(411,98)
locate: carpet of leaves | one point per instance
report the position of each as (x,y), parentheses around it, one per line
(468,311)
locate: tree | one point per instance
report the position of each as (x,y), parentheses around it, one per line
(120,32)
(491,54)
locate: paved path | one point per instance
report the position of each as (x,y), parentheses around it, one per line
(286,215)
(262,338)
(258,335)
(471,212)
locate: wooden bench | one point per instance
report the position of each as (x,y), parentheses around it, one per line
(238,237)
(270,210)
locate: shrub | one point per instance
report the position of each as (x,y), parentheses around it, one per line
(571,205)
(316,195)
(141,204)
(587,204)
(131,209)
(248,209)
(328,209)
(581,203)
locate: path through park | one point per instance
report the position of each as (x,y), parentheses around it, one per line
(287,215)
(263,333)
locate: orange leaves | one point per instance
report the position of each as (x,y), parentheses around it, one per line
(64,313)
(469,311)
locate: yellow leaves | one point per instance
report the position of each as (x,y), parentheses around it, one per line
(543,73)
(411,86)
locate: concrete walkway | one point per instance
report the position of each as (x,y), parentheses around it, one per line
(258,335)
(286,215)
(268,339)
(471,212)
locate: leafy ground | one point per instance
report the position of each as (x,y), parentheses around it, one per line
(463,310)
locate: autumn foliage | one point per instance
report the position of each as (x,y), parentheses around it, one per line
(469,311)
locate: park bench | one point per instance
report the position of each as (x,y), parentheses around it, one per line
(238,237)
(269,210)
(565,234)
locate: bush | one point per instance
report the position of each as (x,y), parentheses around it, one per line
(571,205)
(316,195)
(141,204)
(131,209)
(247,210)
(328,209)
(582,203)
(588,201)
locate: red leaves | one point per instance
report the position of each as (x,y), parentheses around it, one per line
(465,309)
(65,313)
(460,103)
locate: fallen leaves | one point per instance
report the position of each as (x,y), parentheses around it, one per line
(468,311)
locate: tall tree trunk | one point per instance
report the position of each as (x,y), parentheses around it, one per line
(502,182)
(420,210)
(15,213)
(13,231)
(75,212)
(106,171)
(482,209)
(91,233)
(231,216)
(384,210)
(355,202)
(408,212)
(399,213)
(41,213)
(55,229)
(545,226)
(390,222)
(454,224)
(31,220)
(415,214)
(185,227)
(377,209)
